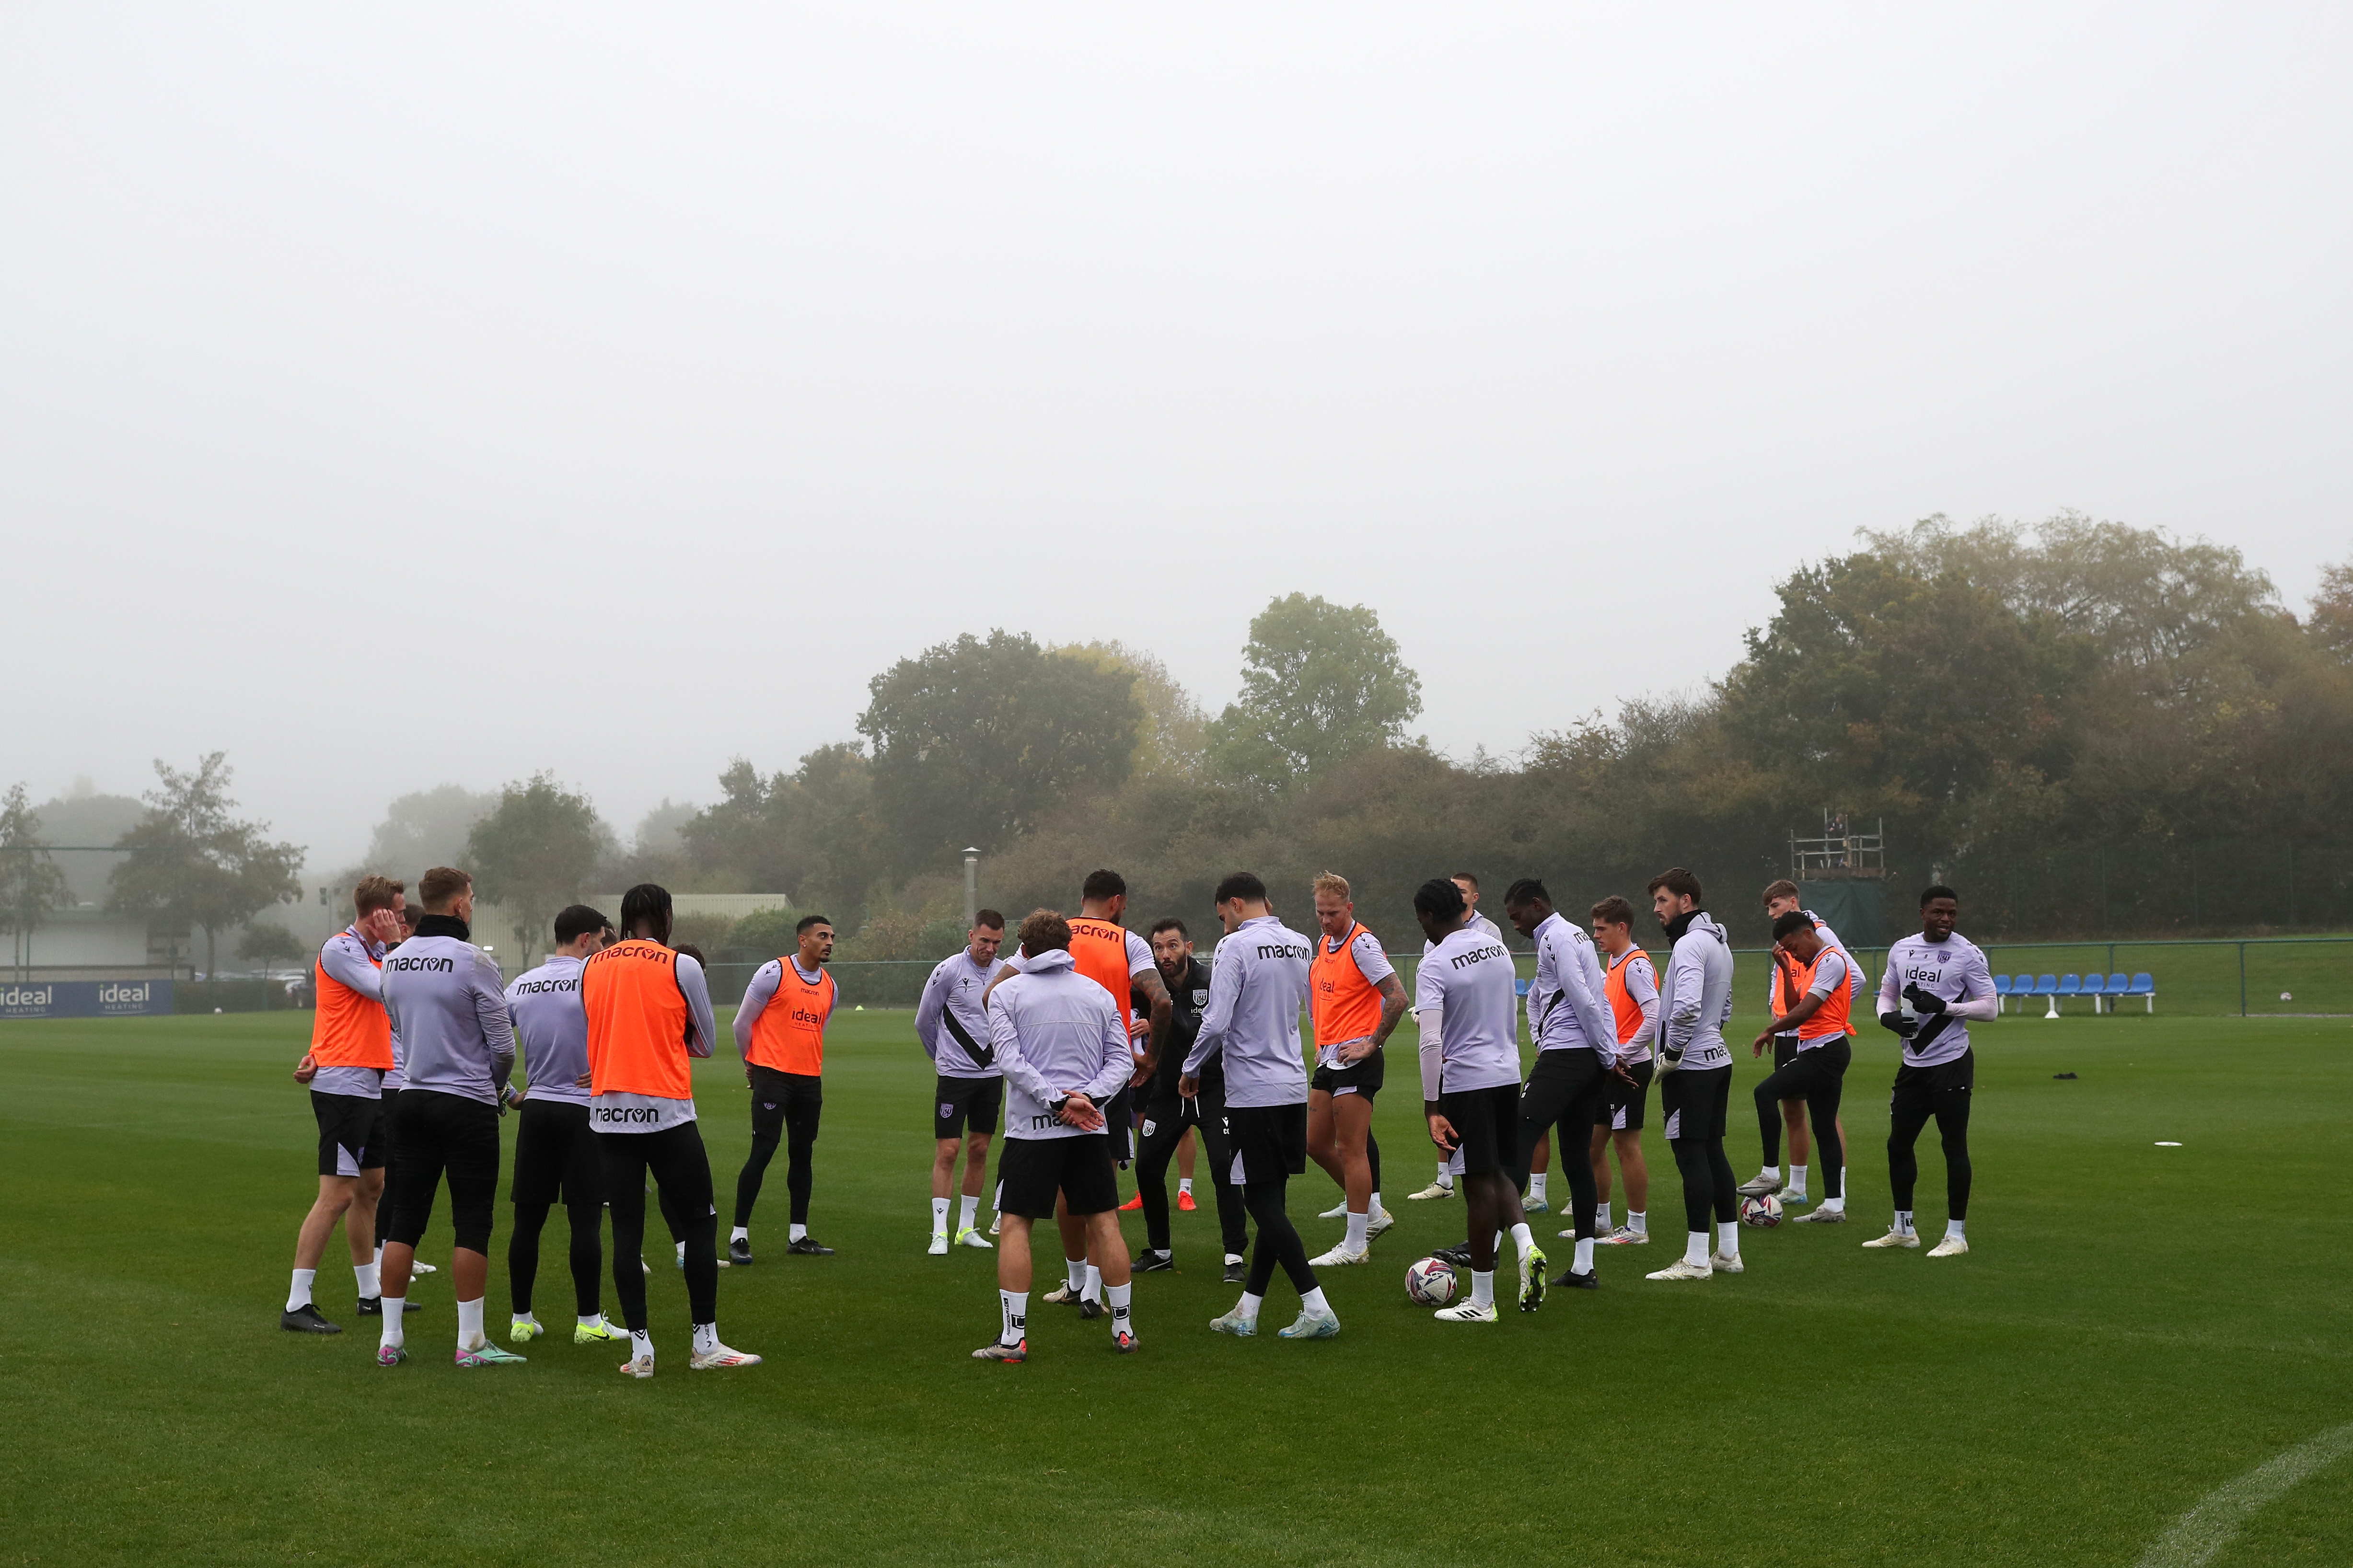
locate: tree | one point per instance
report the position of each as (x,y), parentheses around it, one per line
(974,739)
(1175,737)
(2332,611)
(426,828)
(808,834)
(1321,683)
(192,864)
(534,854)
(31,882)
(267,942)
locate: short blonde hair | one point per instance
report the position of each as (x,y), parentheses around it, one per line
(376,893)
(1333,882)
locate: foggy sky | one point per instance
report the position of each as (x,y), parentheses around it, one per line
(446,392)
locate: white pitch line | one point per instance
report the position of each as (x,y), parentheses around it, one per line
(2205,1529)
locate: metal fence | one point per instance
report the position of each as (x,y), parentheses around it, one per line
(2278,976)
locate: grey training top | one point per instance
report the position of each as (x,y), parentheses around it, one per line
(952,1024)
(1257,992)
(1695,997)
(552,1028)
(446,1005)
(1569,1005)
(1056,1033)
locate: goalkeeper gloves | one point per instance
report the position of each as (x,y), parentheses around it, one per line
(1897,1023)
(1923,1001)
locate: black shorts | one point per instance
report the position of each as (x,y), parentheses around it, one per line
(1269,1141)
(1078,1168)
(777,1096)
(1695,1102)
(1486,1125)
(1627,1102)
(1785,1050)
(1364,1078)
(438,1133)
(1119,1126)
(351,1133)
(967,1104)
(1924,1092)
(555,1155)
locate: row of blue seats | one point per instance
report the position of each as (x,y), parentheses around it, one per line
(2054,986)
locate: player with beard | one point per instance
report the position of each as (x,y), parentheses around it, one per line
(1695,1069)
(780,1034)
(1256,992)
(1934,983)
(1357,1001)
(1168,1116)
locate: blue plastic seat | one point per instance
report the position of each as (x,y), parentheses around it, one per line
(2046,986)
(2118,985)
(2022,986)
(2145,986)
(2001,992)
(2071,985)
(1520,987)
(2095,986)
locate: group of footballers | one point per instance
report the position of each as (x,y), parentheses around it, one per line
(1103,1049)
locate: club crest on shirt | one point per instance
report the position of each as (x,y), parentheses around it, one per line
(1201,998)
(946,1109)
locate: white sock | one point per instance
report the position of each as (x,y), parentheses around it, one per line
(1772,1171)
(1903,1222)
(642,1347)
(1313,1302)
(1014,1305)
(1185,1185)
(1696,1248)
(1639,1221)
(795,1233)
(1377,1211)
(379,1255)
(1797,1181)
(1601,1219)
(939,1216)
(298,1294)
(1956,1227)
(682,1252)
(1093,1290)
(706,1337)
(1117,1297)
(470,1324)
(1358,1223)
(1074,1273)
(997,1202)
(1536,1185)
(365,1273)
(1483,1288)
(1584,1264)
(969,1212)
(393,1338)
(1834,1205)
(589,1322)
(1445,1176)
(1727,1238)
(1233,1258)
(1523,1238)
(740,1233)
(1248,1305)
(525,1317)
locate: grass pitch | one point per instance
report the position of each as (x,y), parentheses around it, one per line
(2137,1326)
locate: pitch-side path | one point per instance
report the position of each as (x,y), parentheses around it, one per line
(2205,1529)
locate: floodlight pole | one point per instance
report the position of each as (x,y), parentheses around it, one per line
(971,887)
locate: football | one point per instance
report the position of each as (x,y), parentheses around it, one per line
(1763,1211)
(1431,1282)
